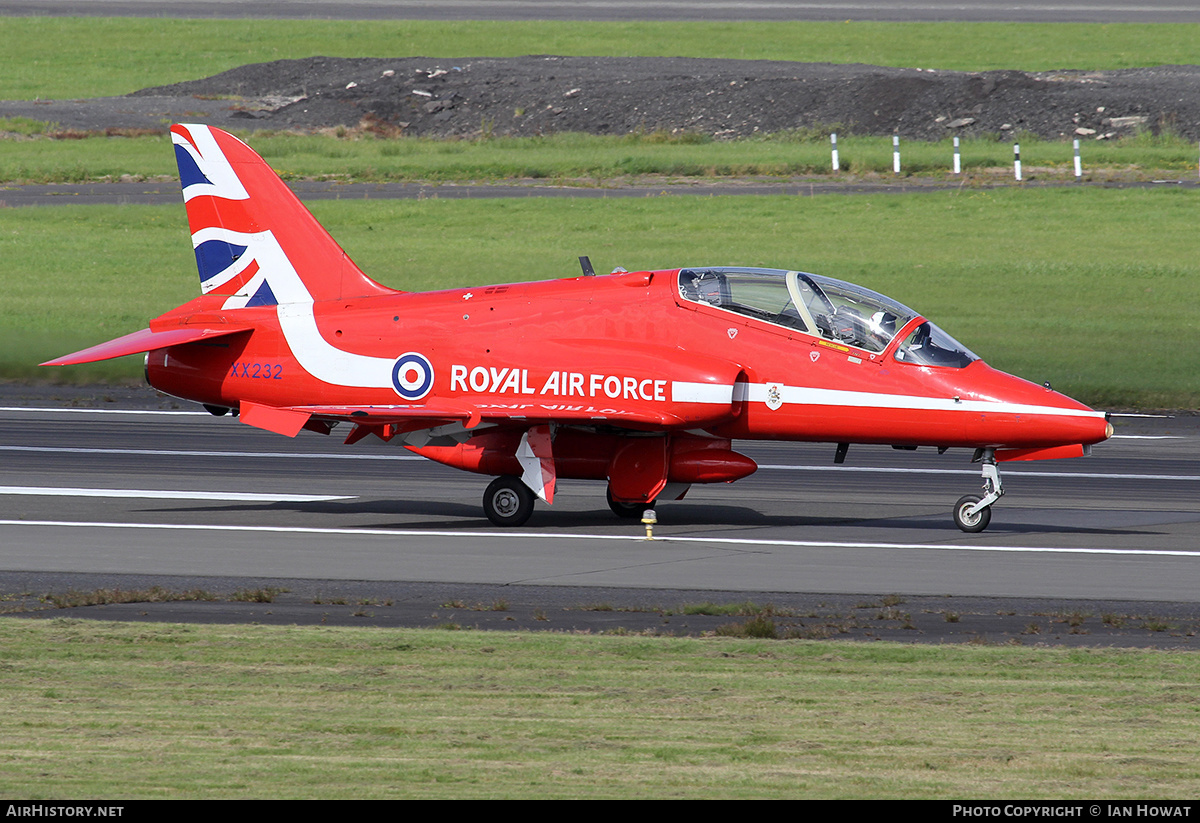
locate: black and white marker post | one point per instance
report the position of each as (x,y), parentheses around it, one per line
(957,158)
(895,154)
(833,140)
(1078,164)
(1017,161)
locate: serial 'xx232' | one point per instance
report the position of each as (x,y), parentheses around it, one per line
(643,379)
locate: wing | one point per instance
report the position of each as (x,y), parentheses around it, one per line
(389,421)
(503,435)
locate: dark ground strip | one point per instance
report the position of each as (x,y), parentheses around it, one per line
(902,619)
(168,194)
(697,98)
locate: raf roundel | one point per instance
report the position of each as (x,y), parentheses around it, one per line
(412,376)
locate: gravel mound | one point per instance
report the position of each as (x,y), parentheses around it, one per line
(617,95)
(721,98)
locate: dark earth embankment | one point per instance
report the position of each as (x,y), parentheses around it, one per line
(459,97)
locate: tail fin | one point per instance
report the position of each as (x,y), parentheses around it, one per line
(254,240)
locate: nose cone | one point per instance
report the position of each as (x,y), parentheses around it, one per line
(1011,413)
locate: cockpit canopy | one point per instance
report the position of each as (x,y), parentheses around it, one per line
(824,307)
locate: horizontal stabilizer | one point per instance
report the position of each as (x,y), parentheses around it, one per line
(141,341)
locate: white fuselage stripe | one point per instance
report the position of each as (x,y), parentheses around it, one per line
(684,392)
(325,361)
(809,396)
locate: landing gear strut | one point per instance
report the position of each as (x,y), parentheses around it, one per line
(628,511)
(508,501)
(972,513)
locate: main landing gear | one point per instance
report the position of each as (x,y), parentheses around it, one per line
(508,501)
(972,513)
(627,511)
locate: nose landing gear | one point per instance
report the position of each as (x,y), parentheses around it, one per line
(972,513)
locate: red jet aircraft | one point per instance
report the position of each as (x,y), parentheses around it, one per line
(642,379)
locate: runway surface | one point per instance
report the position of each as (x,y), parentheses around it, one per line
(1095,551)
(133,495)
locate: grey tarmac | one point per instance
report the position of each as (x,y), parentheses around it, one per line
(1099,551)
(1091,11)
(168,194)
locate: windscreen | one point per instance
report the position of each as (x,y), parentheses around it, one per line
(928,345)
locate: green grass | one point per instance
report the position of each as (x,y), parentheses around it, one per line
(106,56)
(1092,289)
(102,710)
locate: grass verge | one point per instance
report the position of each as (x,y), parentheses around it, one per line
(107,710)
(597,161)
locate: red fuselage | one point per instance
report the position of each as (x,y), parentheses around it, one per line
(628,344)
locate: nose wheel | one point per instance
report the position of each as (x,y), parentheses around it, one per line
(970,518)
(973,513)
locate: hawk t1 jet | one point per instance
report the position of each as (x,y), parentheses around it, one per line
(642,379)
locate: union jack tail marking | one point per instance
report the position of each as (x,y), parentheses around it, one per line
(255,242)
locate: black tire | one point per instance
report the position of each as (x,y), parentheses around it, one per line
(508,501)
(973,524)
(627,511)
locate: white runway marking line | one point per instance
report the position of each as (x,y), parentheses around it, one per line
(159,494)
(493,535)
(70,410)
(975,472)
(197,453)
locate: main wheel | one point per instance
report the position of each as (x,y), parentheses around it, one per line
(508,501)
(627,511)
(971,523)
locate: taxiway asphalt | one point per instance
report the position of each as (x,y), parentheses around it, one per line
(1093,11)
(123,494)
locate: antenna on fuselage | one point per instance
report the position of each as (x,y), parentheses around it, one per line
(586,265)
